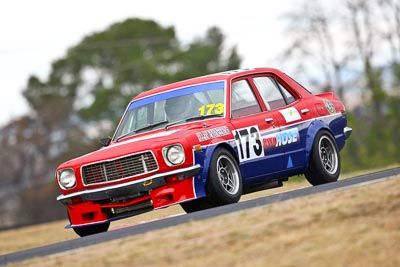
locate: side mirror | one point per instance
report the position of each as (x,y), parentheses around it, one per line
(105,141)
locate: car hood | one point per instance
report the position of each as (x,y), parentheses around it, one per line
(142,142)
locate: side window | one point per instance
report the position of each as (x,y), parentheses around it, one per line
(243,101)
(288,96)
(271,92)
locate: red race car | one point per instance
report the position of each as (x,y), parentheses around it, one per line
(202,143)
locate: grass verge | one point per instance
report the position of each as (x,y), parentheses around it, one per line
(353,227)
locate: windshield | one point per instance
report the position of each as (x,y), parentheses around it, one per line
(172,107)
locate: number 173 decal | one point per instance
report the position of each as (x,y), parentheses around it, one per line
(249,143)
(209,109)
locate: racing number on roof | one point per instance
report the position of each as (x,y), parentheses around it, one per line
(248,141)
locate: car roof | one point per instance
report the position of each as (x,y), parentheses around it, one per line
(220,76)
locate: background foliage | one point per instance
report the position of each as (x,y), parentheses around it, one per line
(351,47)
(82,100)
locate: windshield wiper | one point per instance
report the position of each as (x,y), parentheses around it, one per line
(144,127)
(202,117)
(150,125)
(193,118)
(125,135)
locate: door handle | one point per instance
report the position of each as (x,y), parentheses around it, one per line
(269,120)
(305,110)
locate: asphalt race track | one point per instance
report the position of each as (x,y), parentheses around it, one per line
(201,215)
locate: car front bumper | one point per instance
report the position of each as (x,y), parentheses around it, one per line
(123,200)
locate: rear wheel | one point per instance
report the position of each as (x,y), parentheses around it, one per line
(324,164)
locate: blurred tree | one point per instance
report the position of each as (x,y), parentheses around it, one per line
(83,97)
(365,35)
(97,78)
(394,109)
(207,55)
(355,44)
(389,16)
(314,45)
(120,62)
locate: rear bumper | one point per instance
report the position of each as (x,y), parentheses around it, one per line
(347,132)
(120,201)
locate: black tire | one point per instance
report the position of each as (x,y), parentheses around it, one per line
(324,166)
(224,183)
(91,229)
(196,205)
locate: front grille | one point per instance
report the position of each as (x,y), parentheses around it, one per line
(120,168)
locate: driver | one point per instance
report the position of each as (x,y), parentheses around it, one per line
(180,107)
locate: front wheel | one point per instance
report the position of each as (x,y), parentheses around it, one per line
(91,229)
(324,164)
(196,205)
(224,181)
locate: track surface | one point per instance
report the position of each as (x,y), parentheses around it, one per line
(200,215)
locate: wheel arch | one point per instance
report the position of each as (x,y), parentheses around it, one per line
(204,159)
(210,152)
(314,128)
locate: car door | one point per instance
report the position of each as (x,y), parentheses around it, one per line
(292,116)
(253,123)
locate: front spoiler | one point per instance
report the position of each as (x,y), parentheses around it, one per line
(130,188)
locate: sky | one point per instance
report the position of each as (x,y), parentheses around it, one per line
(35,33)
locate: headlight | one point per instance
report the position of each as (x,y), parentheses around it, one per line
(174,155)
(66,178)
